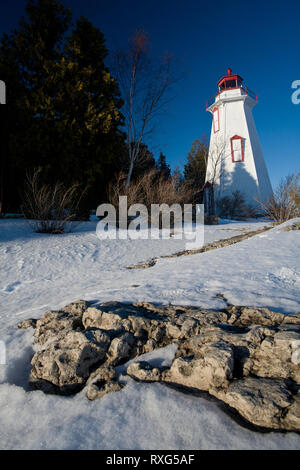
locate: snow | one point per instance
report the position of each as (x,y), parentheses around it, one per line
(39,272)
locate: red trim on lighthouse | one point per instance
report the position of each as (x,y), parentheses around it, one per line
(216,128)
(237,137)
(231,82)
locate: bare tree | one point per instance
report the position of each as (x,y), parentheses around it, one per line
(144,84)
(215,172)
(215,159)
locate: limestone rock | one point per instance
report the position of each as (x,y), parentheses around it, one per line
(293,319)
(261,401)
(92,318)
(99,389)
(30,323)
(273,358)
(173,330)
(104,380)
(53,325)
(106,373)
(76,308)
(120,348)
(144,371)
(291,419)
(246,316)
(64,366)
(248,357)
(211,367)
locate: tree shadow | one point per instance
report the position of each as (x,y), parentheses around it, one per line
(239,180)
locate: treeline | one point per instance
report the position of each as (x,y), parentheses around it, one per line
(64,110)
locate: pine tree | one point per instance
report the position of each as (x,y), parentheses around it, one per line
(25,56)
(89,102)
(195,168)
(64,105)
(144,161)
(163,167)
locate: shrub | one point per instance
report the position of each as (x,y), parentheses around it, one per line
(285,203)
(50,209)
(150,188)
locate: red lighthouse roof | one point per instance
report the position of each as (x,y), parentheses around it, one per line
(230,80)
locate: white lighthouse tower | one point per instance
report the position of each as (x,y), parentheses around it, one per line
(235,158)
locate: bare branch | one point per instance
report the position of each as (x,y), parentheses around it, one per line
(144,85)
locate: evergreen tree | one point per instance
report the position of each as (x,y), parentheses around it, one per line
(163,167)
(195,168)
(90,122)
(144,162)
(177,178)
(63,102)
(25,56)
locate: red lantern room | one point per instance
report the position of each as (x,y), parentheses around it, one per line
(230,81)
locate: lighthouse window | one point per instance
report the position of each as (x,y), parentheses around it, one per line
(237,149)
(216,120)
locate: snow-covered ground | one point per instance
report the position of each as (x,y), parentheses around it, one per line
(39,272)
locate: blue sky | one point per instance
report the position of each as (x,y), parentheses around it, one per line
(259,40)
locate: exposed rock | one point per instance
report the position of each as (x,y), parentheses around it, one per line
(261,401)
(247,316)
(294,226)
(104,381)
(100,388)
(30,323)
(66,364)
(292,319)
(248,357)
(92,317)
(273,358)
(144,371)
(251,370)
(54,324)
(120,348)
(173,330)
(209,368)
(76,308)
(147,264)
(291,419)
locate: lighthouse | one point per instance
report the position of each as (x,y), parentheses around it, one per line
(235,158)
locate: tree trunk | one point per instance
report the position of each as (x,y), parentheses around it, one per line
(129,174)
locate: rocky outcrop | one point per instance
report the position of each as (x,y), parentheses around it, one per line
(30,323)
(247,357)
(252,370)
(144,372)
(294,226)
(104,380)
(63,366)
(78,339)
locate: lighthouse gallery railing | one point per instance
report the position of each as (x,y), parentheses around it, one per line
(244,89)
